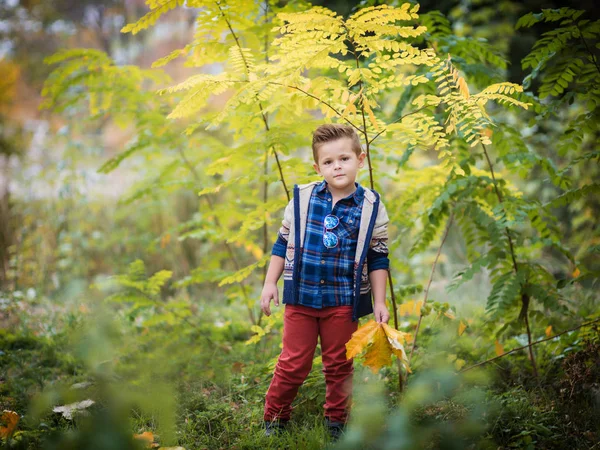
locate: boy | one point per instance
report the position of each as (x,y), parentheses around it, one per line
(333,232)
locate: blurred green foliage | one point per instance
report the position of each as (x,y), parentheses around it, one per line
(125,302)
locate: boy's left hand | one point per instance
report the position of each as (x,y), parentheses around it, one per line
(381,312)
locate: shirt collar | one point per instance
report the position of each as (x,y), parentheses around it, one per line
(358,194)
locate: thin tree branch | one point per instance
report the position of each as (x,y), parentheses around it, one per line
(398,120)
(437,257)
(528,345)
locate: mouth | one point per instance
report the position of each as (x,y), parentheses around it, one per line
(340,175)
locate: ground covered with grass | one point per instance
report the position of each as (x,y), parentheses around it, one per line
(200,384)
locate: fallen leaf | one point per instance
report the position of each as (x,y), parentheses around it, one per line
(461,328)
(146,436)
(499,348)
(576,272)
(11,419)
(548,331)
(68,410)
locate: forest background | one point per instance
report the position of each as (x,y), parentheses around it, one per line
(147,150)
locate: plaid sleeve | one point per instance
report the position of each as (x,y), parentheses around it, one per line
(280,245)
(377,255)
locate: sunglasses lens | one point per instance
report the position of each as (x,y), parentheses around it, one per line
(331,222)
(330,240)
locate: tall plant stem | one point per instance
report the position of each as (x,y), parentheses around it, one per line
(524,297)
(426,293)
(372,185)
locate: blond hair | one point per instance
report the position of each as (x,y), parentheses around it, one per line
(332,132)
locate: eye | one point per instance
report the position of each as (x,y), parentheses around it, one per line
(345,158)
(326,163)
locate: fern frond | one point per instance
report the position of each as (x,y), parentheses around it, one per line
(574,194)
(157,9)
(549,15)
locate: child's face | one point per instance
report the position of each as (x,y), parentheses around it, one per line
(338,164)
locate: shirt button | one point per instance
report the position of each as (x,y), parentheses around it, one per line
(328,199)
(322,281)
(322,261)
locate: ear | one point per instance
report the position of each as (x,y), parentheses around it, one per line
(361,159)
(317,168)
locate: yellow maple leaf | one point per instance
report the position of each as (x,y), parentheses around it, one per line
(548,331)
(10,419)
(499,348)
(379,353)
(380,341)
(461,328)
(360,339)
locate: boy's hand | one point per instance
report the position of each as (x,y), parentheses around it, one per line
(269,292)
(381,312)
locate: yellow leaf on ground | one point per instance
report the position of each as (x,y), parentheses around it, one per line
(145,436)
(499,348)
(548,331)
(576,272)
(10,419)
(461,328)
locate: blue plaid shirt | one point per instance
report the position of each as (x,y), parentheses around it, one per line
(326,274)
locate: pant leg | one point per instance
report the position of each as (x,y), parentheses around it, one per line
(336,328)
(300,333)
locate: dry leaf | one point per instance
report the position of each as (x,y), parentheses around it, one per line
(461,328)
(145,436)
(360,339)
(380,341)
(499,348)
(378,354)
(10,419)
(576,272)
(548,331)
(68,410)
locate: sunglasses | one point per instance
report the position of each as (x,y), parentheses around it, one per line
(330,239)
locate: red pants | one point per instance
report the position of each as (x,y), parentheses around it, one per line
(301,327)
